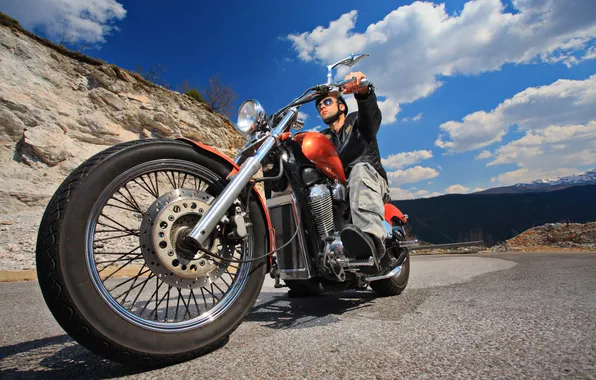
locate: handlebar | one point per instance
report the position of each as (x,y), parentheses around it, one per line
(319,90)
(363,83)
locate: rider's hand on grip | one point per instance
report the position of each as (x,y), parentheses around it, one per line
(356,86)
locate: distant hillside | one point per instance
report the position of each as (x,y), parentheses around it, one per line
(495,218)
(541,185)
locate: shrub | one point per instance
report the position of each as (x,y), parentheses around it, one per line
(195,95)
(7,20)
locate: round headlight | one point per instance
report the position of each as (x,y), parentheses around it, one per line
(250,114)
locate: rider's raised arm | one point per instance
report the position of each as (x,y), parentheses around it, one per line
(369,114)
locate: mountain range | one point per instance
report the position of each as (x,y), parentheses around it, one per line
(496,217)
(542,185)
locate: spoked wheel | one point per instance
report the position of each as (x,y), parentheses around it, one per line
(139,223)
(114,254)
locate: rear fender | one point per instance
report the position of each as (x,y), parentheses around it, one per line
(394,216)
(225,160)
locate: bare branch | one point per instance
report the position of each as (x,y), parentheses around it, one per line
(66,38)
(220,97)
(154,74)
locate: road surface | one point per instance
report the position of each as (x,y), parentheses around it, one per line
(513,315)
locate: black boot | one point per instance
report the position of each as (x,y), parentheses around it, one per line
(362,245)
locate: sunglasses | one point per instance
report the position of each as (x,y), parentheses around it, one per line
(327,102)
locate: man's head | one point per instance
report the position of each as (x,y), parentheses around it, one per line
(330,108)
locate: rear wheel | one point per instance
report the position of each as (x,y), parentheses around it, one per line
(394,285)
(113,270)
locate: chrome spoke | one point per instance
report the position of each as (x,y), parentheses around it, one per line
(117,260)
(117,270)
(122,256)
(134,279)
(140,291)
(172,180)
(122,208)
(151,299)
(130,267)
(159,303)
(117,237)
(195,299)
(133,286)
(133,202)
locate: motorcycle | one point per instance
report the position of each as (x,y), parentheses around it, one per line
(153,251)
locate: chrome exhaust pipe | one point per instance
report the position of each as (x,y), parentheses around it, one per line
(395,272)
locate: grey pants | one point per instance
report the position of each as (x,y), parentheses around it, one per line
(368,194)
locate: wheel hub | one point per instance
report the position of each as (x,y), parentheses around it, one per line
(163,232)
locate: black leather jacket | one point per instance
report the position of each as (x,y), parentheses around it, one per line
(357,140)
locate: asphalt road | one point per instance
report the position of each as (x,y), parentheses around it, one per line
(514,316)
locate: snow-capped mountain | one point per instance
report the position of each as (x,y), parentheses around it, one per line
(587,178)
(550,184)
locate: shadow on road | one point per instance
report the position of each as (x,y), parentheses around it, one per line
(60,357)
(57,357)
(283,312)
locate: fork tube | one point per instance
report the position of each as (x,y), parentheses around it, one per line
(250,167)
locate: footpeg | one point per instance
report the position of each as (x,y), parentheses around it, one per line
(361,263)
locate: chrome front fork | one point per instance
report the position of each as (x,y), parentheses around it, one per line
(202,230)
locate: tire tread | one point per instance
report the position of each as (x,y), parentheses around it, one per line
(50,277)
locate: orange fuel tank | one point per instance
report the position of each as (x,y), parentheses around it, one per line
(321,152)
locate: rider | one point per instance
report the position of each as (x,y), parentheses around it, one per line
(355,138)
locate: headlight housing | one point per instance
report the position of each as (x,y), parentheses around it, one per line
(250,114)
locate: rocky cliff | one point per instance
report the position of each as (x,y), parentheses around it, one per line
(58,108)
(56,111)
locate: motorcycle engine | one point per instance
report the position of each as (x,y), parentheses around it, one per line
(319,200)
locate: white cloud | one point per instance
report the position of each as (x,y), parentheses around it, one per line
(415,118)
(564,102)
(484,154)
(415,44)
(559,126)
(525,175)
(550,152)
(402,194)
(456,189)
(411,175)
(79,21)
(302,115)
(400,160)
(389,109)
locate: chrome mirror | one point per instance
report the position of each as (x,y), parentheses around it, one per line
(349,61)
(298,124)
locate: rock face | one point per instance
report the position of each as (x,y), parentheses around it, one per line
(552,237)
(57,108)
(56,111)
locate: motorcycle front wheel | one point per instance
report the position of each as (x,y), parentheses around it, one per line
(115,273)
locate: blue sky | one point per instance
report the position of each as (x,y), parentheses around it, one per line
(474,94)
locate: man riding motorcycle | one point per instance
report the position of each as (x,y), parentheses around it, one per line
(354,136)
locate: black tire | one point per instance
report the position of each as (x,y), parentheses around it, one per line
(66,283)
(395,285)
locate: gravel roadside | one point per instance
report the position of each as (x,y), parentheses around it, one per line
(18,236)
